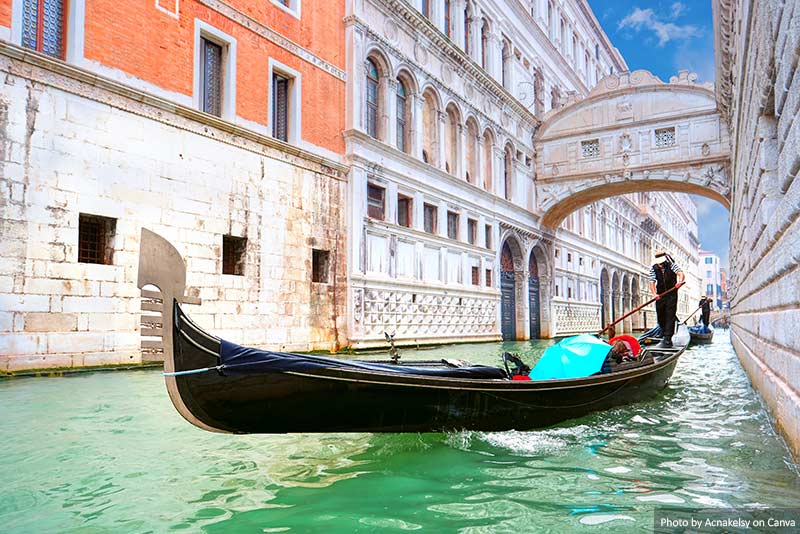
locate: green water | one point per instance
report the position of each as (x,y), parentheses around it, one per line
(106,452)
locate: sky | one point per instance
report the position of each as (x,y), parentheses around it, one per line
(665,36)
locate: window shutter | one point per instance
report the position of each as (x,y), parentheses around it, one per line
(212,78)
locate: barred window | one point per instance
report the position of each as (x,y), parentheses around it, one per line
(320,260)
(488,278)
(96,239)
(476,275)
(404,211)
(430,213)
(212,77)
(234,253)
(590,148)
(665,137)
(280,107)
(452,225)
(472,231)
(43,24)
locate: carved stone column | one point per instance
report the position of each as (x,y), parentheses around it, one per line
(390,110)
(417,102)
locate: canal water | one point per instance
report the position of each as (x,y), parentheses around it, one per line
(106,452)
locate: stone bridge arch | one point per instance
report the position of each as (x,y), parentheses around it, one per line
(632,133)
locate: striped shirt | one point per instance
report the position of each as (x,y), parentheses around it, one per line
(652,277)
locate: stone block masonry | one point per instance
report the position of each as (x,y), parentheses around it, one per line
(760,90)
(71,147)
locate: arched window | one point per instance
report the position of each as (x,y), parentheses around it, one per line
(430,129)
(373,96)
(507,54)
(488,155)
(485,45)
(508,172)
(467,28)
(403,114)
(448,18)
(451,140)
(472,151)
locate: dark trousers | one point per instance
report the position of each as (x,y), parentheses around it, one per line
(666,308)
(706,317)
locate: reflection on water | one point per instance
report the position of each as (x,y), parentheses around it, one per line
(106,452)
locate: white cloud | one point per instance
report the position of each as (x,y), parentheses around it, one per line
(677,8)
(640,19)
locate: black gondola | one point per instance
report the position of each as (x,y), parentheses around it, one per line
(222,387)
(700,337)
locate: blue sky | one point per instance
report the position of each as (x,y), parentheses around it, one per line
(664,36)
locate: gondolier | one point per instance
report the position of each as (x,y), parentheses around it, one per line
(664,275)
(705,305)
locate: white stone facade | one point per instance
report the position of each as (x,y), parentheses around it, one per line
(759,93)
(711,272)
(476,91)
(72,144)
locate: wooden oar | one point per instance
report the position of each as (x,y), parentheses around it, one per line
(652,300)
(690,315)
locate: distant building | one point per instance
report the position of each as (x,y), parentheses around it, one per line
(711,274)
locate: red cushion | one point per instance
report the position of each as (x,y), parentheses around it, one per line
(631,341)
(520,377)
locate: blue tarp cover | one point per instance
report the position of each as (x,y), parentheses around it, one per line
(573,357)
(238,360)
(699,329)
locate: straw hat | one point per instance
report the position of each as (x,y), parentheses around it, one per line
(660,256)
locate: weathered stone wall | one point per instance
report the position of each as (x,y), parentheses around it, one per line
(760,91)
(70,144)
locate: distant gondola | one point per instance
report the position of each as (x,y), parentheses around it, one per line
(698,336)
(223,387)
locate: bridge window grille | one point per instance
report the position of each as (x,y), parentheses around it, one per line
(590,149)
(212,78)
(665,137)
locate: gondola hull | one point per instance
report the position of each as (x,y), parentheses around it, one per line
(345,400)
(280,393)
(702,338)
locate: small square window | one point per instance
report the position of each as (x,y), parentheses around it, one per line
(96,239)
(430,212)
(665,137)
(320,266)
(375,202)
(580,261)
(472,231)
(404,205)
(488,278)
(234,253)
(452,225)
(590,149)
(476,275)
(556,253)
(569,257)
